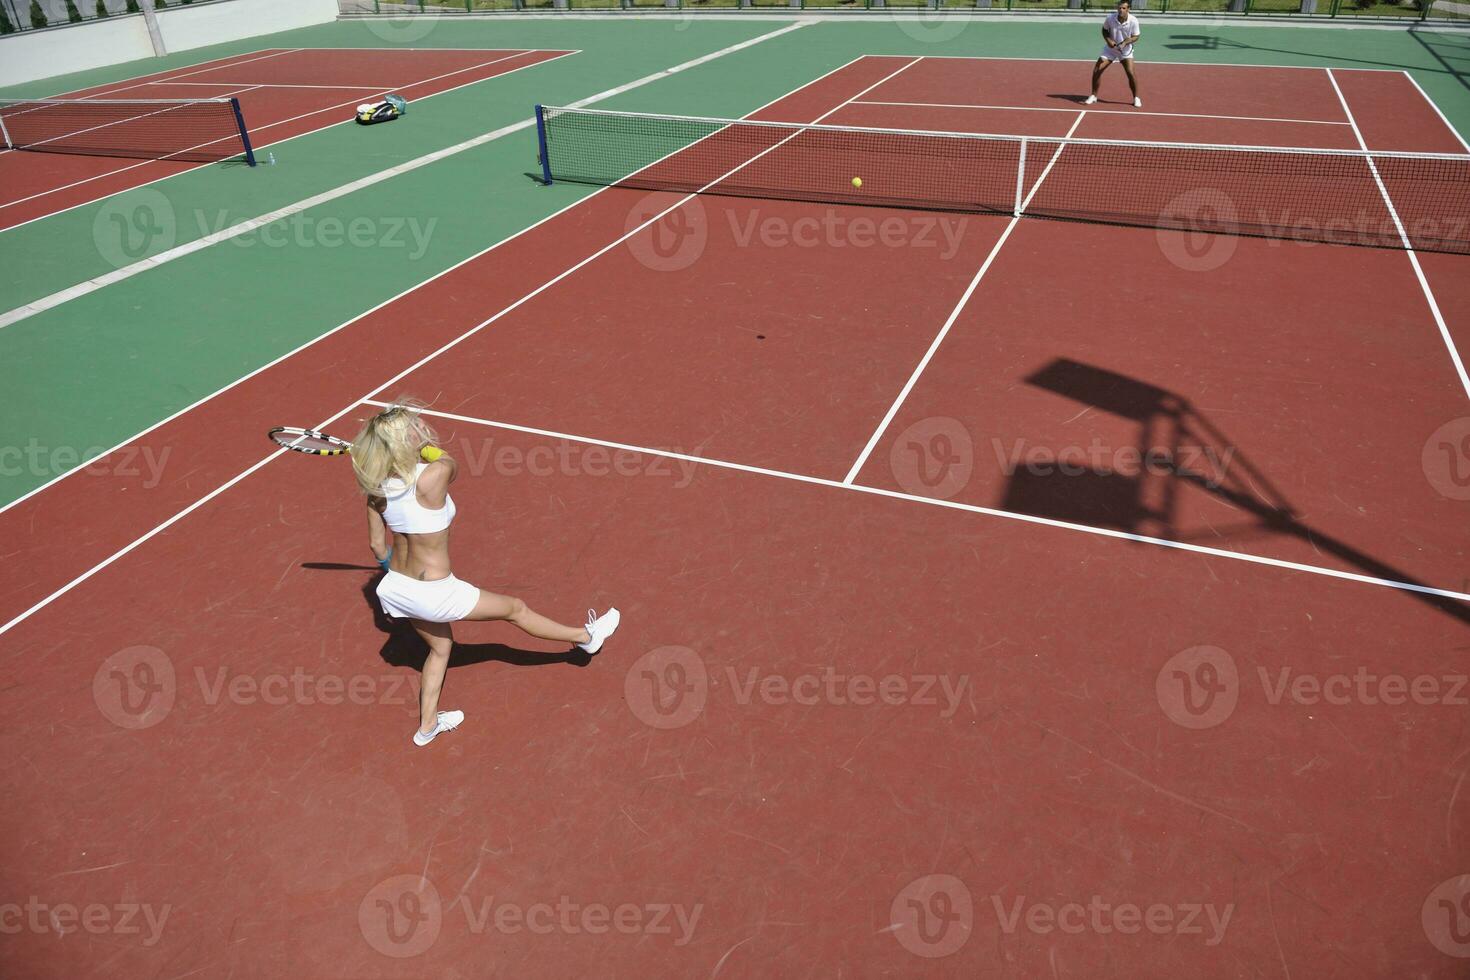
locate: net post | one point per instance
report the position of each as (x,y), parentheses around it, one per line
(541,145)
(244,133)
(4,133)
(1020,178)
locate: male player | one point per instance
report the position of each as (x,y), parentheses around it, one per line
(1119,32)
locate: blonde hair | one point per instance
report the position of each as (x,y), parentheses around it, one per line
(388,446)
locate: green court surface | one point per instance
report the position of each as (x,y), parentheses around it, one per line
(91,372)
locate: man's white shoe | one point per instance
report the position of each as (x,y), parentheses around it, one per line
(1089,100)
(1138,103)
(600,628)
(448,721)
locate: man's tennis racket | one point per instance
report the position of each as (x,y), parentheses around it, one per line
(309,441)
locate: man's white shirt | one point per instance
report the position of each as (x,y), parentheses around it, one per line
(1118,32)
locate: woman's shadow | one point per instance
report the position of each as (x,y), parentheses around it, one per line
(405,648)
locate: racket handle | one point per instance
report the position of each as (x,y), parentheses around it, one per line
(383,562)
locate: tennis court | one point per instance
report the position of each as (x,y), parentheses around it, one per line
(1003,596)
(283,93)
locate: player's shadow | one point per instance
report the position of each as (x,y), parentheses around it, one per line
(1178,447)
(403,647)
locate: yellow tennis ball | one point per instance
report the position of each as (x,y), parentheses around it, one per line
(857,182)
(430,453)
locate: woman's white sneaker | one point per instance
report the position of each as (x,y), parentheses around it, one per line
(448,721)
(600,628)
(1090,100)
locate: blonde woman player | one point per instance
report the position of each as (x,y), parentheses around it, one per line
(1120,32)
(406,479)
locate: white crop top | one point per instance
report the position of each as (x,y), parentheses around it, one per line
(405,515)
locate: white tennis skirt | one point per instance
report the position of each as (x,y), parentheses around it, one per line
(1125,53)
(444,600)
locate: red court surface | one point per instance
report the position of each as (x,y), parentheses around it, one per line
(881,704)
(283,93)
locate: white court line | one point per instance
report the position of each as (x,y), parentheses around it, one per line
(370,88)
(600,96)
(1442,118)
(1444,330)
(1151,61)
(1128,112)
(852,474)
(260,146)
(954,505)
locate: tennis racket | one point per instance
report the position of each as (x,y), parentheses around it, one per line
(309,441)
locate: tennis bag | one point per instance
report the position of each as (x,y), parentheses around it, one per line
(372,113)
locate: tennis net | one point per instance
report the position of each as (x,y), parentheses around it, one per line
(194,130)
(1382,199)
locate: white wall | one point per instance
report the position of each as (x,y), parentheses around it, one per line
(184,28)
(31,55)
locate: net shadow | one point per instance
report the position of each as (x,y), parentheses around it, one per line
(1146,502)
